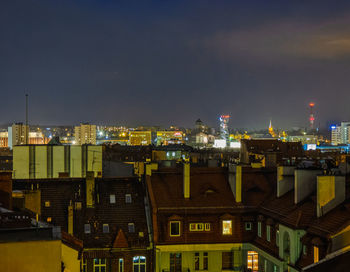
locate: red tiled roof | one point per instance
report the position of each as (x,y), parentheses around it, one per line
(209,188)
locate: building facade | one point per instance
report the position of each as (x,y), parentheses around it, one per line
(85,134)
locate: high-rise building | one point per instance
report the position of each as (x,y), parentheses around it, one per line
(18,134)
(224,132)
(85,134)
(340,133)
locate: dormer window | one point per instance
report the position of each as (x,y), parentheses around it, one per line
(131,227)
(128,198)
(175,228)
(227,227)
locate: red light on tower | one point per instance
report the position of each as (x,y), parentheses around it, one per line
(312,118)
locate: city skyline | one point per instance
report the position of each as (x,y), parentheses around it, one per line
(164,63)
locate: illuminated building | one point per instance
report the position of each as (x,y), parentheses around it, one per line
(140,137)
(271,131)
(17,134)
(4,139)
(340,134)
(85,134)
(166,137)
(224,131)
(37,138)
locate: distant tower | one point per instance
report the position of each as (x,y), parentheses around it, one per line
(224,133)
(311,118)
(272,133)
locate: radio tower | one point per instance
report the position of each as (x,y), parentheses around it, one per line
(224,133)
(311,118)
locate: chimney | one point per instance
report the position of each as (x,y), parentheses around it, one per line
(330,193)
(235,181)
(285,179)
(70,218)
(186,179)
(90,190)
(305,183)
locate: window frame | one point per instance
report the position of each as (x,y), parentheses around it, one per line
(205,261)
(131,225)
(224,229)
(112,199)
(121,264)
(87,228)
(105,227)
(246,224)
(179,227)
(268,233)
(100,264)
(128,199)
(139,264)
(259,229)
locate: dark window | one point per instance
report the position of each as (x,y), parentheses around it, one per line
(87,228)
(196,261)
(205,260)
(105,228)
(248,226)
(175,262)
(175,228)
(128,198)
(131,227)
(227,260)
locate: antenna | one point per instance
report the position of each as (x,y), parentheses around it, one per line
(26,127)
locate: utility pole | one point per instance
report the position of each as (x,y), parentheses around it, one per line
(27,127)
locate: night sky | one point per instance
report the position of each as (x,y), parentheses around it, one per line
(171,62)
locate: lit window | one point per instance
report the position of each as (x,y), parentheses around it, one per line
(139,264)
(121,265)
(99,265)
(112,199)
(316,254)
(268,233)
(131,227)
(199,226)
(87,228)
(49,219)
(175,228)
(259,229)
(227,227)
(128,198)
(248,226)
(47,203)
(105,228)
(77,205)
(253,261)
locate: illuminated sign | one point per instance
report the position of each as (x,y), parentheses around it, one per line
(219,143)
(311,147)
(235,145)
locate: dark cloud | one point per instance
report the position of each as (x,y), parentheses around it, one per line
(171,62)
